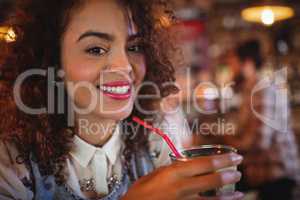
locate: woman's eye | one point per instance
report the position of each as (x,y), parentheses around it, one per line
(136,48)
(96,51)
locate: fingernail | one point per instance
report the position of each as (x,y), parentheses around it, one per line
(238,174)
(229,176)
(239,195)
(236,158)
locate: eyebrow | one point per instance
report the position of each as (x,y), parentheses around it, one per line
(106,36)
(97,34)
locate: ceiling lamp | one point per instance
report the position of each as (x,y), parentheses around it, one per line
(7,34)
(267,13)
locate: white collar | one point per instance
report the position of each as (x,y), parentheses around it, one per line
(83,152)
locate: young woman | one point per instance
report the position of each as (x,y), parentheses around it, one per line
(101,51)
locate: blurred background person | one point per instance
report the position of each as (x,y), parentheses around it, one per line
(272,154)
(270,150)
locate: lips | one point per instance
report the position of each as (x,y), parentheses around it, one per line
(118,90)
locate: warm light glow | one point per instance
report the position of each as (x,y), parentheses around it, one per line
(267,17)
(10,36)
(267,14)
(7,34)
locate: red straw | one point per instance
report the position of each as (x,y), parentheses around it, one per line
(161,133)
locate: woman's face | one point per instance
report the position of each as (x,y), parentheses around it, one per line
(102,59)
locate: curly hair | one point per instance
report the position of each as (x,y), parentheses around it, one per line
(39,26)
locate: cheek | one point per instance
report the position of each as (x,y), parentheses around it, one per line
(76,66)
(81,70)
(140,71)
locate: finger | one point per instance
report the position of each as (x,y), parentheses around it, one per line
(238,196)
(198,184)
(193,197)
(235,196)
(205,165)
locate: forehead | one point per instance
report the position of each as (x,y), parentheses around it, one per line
(107,16)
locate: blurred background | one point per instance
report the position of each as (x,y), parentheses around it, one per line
(228,47)
(240,86)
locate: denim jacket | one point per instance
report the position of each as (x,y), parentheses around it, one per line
(45,188)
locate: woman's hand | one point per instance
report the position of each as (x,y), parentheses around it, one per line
(183,180)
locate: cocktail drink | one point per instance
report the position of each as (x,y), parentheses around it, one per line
(209,150)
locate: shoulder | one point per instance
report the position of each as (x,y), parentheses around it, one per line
(13,175)
(175,125)
(9,156)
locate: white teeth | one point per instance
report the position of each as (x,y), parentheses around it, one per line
(116,90)
(123,89)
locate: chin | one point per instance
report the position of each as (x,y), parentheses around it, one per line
(115,115)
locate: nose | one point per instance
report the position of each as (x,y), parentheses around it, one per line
(120,62)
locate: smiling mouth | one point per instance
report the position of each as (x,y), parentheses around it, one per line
(118,90)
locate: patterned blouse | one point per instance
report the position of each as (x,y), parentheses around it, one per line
(86,162)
